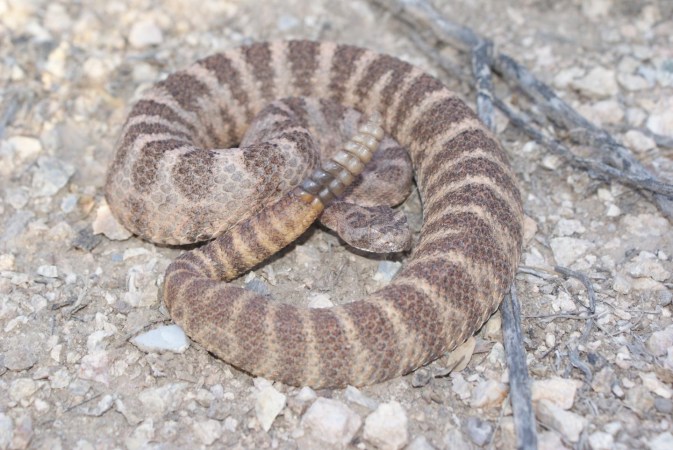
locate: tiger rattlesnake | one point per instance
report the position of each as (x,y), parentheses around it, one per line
(165,184)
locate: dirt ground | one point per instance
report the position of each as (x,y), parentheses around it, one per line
(71,302)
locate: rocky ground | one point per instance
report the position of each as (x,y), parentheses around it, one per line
(77,370)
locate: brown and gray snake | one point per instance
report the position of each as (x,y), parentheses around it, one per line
(173,182)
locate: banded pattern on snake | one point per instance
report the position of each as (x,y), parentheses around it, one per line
(167,184)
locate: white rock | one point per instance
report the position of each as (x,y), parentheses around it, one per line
(560,391)
(646,264)
(6,430)
(208,431)
(23,431)
(420,443)
(7,262)
(95,367)
(552,162)
(320,300)
(50,176)
(454,440)
(141,436)
(48,271)
(145,33)
(387,427)
(331,422)
(550,440)
(162,399)
(164,338)
(568,227)
(569,424)
(354,395)
(567,250)
(663,441)
(306,394)
(22,388)
(479,431)
(595,9)
(652,383)
(598,83)
(661,341)
(26,148)
(488,394)
(387,270)
(632,82)
(604,112)
(660,120)
(268,404)
(460,387)
(17,197)
(647,225)
(105,223)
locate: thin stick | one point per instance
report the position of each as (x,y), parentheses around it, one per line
(519,383)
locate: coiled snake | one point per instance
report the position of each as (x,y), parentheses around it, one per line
(171,181)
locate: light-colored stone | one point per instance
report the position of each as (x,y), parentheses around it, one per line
(208,431)
(387,427)
(600,82)
(420,443)
(145,33)
(268,404)
(354,395)
(660,120)
(47,271)
(600,440)
(479,431)
(560,391)
(105,223)
(567,250)
(164,338)
(569,424)
(638,142)
(6,430)
(161,400)
(663,441)
(488,394)
(647,264)
(568,227)
(386,270)
(50,175)
(660,341)
(331,422)
(652,383)
(22,388)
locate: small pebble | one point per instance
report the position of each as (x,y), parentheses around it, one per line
(567,250)
(164,338)
(420,443)
(50,176)
(453,439)
(569,424)
(387,270)
(354,395)
(22,388)
(105,223)
(268,404)
(478,430)
(663,441)
(663,405)
(560,391)
(598,83)
(600,440)
(145,33)
(660,341)
(652,383)
(387,427)
(6,430)
(48,271)
(330,422)
(488,394)
(638,142)
(208,431)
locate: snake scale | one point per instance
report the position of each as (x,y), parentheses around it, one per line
(169,180)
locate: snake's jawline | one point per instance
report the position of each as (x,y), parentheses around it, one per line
(453,281)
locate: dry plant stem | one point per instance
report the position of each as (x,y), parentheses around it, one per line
(481,69)
(622,167)
(519,383)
